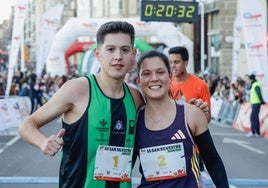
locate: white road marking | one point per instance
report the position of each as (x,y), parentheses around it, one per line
(227,134)
(9,143)
(243,144)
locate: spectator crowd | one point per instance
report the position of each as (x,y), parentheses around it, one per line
(40,88)
(228,91)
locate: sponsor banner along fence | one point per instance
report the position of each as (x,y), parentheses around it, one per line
(238,115)
(242,121)
(13,110)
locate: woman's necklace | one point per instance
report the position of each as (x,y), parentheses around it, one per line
(161,118)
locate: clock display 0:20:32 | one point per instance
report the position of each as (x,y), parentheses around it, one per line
(180,11)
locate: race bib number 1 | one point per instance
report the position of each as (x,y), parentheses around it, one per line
(113,163)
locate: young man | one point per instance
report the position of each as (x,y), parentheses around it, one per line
(185,86)
(99,113)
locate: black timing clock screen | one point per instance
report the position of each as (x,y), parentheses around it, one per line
(169,11)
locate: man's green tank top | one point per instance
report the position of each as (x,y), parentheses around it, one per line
(106,121)
(110,122)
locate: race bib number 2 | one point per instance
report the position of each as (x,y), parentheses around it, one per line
(163,162)
(113,163)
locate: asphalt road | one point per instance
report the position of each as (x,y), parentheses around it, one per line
(245,159)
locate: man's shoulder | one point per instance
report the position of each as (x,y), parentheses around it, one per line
(137,96)
(196,78)
(77,83)
(82,79)
(193,79)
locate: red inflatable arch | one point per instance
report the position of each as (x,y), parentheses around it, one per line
(76,47)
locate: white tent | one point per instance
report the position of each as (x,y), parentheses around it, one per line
(74,28)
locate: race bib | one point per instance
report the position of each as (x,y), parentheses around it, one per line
(163,162)
(113,163)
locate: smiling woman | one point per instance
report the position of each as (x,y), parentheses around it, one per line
(5,9)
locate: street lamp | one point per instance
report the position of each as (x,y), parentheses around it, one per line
(202,43)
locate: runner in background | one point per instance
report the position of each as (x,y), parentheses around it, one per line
(184,86)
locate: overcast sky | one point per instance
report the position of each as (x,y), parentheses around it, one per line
(5,9)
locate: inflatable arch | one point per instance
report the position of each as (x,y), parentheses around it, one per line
(76,47)
(74,28)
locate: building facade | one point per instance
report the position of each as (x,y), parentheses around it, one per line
(219,18)
(218,22)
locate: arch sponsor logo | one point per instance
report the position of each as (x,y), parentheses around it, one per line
(54,59)
(143,24)
(52,23)
(90,25)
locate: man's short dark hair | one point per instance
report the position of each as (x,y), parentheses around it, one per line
(180,50)
(115,27)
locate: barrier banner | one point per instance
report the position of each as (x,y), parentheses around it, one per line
(216,104)
(13,111)
(242,121)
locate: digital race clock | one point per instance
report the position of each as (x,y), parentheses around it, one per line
(169,11)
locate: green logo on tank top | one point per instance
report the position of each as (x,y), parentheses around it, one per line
(103,130)
(102,127)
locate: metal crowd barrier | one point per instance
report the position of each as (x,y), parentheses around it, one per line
(135,181)
(224,111)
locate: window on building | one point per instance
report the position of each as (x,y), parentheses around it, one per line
(215,21)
